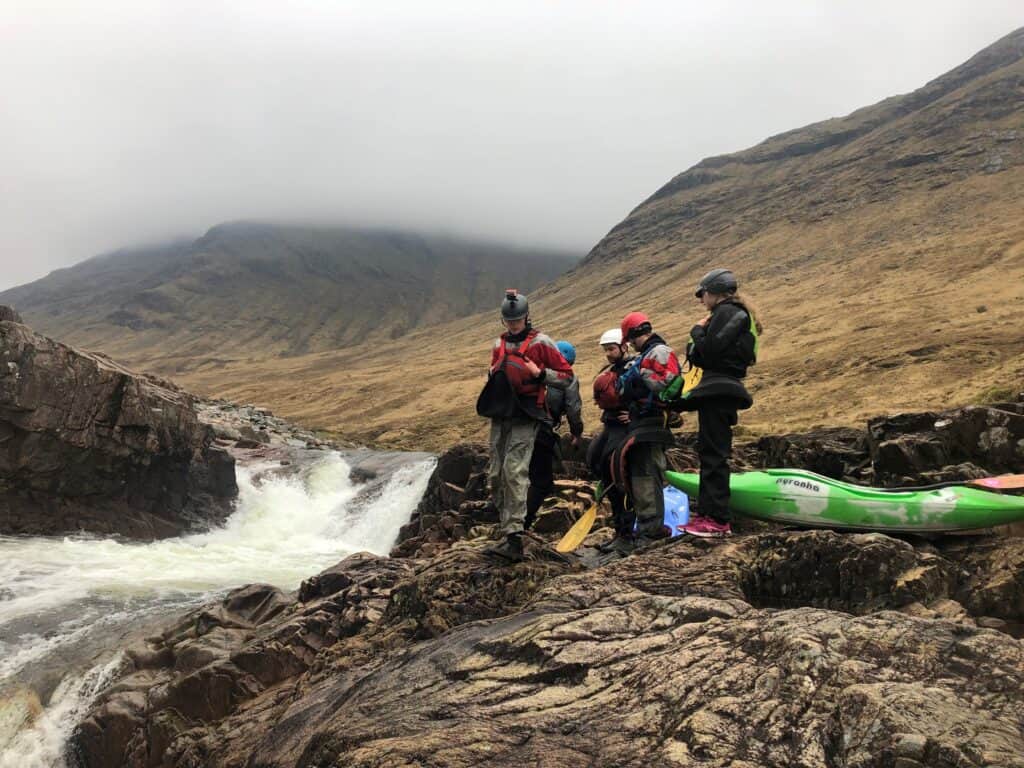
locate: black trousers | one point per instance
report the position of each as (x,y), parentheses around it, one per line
(598,456)
(714,448)
(542,473)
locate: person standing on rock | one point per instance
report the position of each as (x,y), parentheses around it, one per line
(724,345)
(655,368)
(561,403)
(524,363)
(614,428)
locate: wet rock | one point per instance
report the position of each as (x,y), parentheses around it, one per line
(839,452)
(9,315)
(908,447)
(86,445)
(778,649)
(455,493)
(990,579)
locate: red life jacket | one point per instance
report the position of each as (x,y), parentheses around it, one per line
(513,362)
(605,393)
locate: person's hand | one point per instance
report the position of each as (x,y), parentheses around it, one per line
(575,441)
(623,418)
(531,367)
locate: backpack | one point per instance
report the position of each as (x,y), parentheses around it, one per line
(605,393)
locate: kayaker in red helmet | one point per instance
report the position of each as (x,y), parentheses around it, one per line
(643,453)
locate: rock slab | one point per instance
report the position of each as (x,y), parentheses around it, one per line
(87,445)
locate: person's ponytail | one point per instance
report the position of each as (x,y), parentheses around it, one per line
(750,309)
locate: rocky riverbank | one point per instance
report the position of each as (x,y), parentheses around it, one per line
(773,648)
(89,446)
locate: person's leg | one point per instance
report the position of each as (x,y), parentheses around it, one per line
(646,476)
(542,479)
(715,449)
(622,516)
(516,474)
(596,458)
(497,462)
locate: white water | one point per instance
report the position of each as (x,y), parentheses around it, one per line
(65,604)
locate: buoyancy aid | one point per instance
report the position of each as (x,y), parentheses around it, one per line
(513,361)
(510,391)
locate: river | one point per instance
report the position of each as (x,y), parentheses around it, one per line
(67,604)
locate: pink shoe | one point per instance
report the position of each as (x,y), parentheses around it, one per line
(707,528)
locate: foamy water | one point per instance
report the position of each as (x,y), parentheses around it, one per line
(65,604)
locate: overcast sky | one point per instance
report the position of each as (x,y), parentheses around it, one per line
(545,122)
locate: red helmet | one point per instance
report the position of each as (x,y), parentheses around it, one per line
(632,322)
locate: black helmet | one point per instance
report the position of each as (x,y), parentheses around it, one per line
(515,306)
(717,281)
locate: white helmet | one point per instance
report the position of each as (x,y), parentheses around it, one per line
(611,336)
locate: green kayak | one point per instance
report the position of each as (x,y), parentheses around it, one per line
(804,498)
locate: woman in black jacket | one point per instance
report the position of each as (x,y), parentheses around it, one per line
(724,345)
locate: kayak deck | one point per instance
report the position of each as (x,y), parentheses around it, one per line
(809,499)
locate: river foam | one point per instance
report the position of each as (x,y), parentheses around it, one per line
(67,603)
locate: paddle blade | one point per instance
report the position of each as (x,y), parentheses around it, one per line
(692,378)
(1000,483)
(575,535)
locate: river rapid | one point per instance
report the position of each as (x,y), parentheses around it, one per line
(68,604)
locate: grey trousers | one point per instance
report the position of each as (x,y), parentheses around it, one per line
(647,467)
(509,472)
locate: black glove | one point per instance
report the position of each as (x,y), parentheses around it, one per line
(634,389)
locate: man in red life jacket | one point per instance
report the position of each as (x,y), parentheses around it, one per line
(655,368)
(524,363)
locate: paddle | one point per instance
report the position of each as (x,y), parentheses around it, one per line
(996,484)
(1000,483)
(575,535)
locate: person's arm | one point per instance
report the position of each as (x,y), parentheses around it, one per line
(495,356)
(574,408)
(721,331)
(659,368)
(552,369)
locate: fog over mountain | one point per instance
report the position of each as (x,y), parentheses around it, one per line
(129,122)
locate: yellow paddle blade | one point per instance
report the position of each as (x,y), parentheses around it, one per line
(692,378)
(575,535)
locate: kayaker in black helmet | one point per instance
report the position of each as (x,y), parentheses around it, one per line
(724,345)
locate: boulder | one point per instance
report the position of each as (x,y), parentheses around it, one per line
(452,503)
(9,315)
(87,445)
(913,447)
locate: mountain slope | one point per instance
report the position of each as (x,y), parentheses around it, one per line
(255,290)
(885,251)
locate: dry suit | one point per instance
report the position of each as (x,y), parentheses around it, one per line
(724,347)
(655,368)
